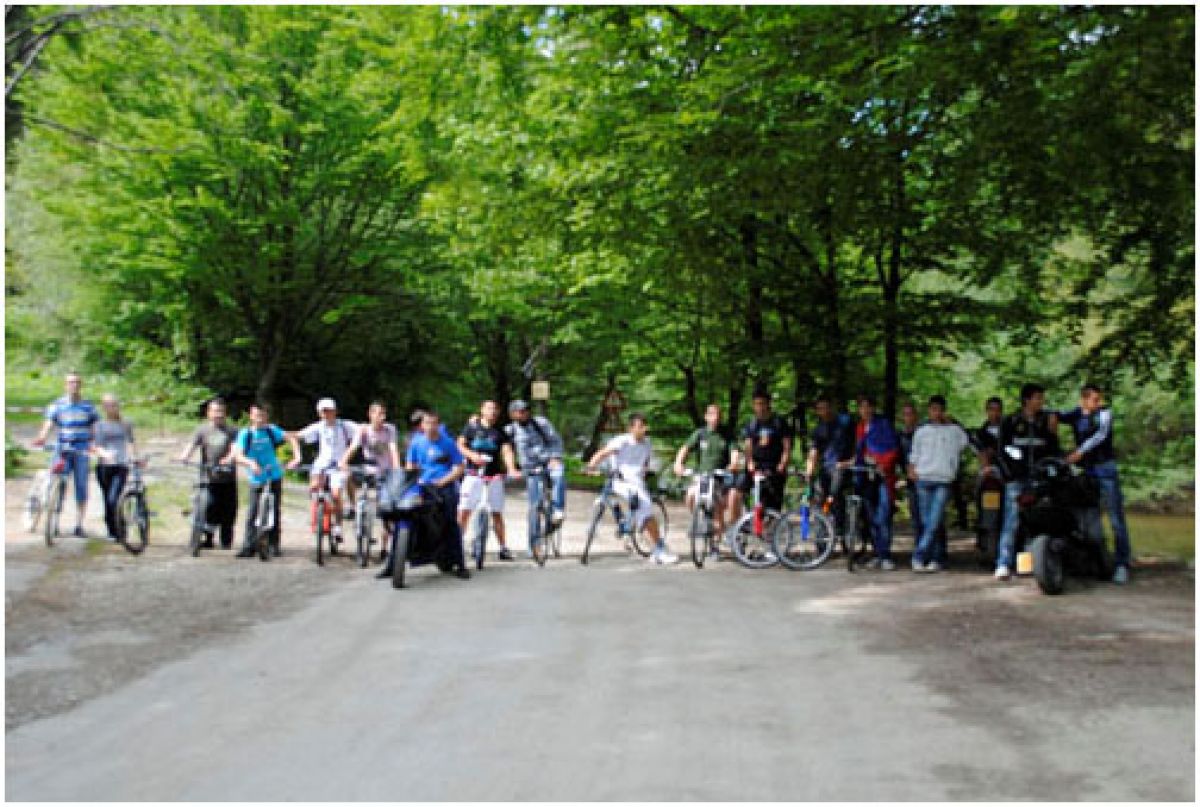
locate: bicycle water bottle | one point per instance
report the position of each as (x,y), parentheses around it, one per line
(758,520)
(804,512)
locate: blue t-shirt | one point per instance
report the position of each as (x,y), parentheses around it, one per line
(74,422)
(259,445)
(435,458)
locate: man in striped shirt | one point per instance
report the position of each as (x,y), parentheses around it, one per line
(75,419)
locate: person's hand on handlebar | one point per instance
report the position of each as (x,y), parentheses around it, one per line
(291,466)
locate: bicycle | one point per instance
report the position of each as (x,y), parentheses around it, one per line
(322,507)
(133,512)
(855,539)
(547,537)
(751,539)
(49,499)
(709,489)
(365,512)
(631,538)
(200,503)
(481,518)
(806,536)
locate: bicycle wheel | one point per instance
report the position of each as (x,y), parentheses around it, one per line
(800,548)
(755,551)
(593,528)
(479,544)
(554,534)
(133,518)
(320,532)
(641,540)
(541,547)
(199,510)
(699,533)
(54,503)
(400,537)
(33,506)
(850,539)
(364,522)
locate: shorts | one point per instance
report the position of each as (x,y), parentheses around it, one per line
(337,479)
(770,490)
(473,490)
(632,492)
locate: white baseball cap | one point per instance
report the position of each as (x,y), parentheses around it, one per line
(326,403)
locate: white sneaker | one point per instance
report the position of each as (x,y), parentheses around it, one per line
(1002,572)
(1121,575)
(873,563)
(933,566)
(918,567)
(557,517)
(664,558)
(886,565)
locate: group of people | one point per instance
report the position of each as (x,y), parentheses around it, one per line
(925,456)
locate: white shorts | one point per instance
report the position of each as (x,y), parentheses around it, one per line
(645,505)
(337,479)
(472,492)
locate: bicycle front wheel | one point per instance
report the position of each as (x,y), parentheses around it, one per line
(54,503)
(33,508)
(593,528)
(700,530)
(801,547)
(134,521)
(754,550)
(365,524)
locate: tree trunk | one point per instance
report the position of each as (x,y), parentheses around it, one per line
(689,396)
(598,428)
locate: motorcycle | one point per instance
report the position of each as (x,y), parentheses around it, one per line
(1060,527)
(421,534)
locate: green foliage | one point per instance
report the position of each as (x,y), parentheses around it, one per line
(685,202)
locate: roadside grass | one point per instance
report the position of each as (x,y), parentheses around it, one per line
(1165,537)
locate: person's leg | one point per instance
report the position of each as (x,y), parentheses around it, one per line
(277,530)
(226,494)
(79,472)
(915,507)
(558,480)
(106,478)
(454,535)
(882,523)
(1114,504)
(934,496)
(1008,535)
(495,494)
(959,491)
(468,501)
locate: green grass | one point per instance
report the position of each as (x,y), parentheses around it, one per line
(1167,537)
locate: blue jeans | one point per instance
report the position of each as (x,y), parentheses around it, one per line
(76,467)
(1008,534)
(558,495)
(879,511)
(933,497)
(1106,477)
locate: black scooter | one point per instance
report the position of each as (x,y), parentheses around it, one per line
(1060,524)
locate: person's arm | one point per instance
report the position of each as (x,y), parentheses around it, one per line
(355,442)
(786,459)
(456,473)
(393,449)
(187,451)
(749,449)
(510,460)
(238,455)
(681,457)
(1104,427)
(916,452)
(600,456)
(293,441)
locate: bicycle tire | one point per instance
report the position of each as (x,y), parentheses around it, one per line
(400,537)
(555,535)
(540,549)
(479,543)
(749,549)
(321,532)
(593,528)
(134,521)
(798,553)
(54,503)
(33,506)
(641,541)
(700,529)
(362,532)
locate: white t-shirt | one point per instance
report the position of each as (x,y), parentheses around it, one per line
(334,441)
(631,457)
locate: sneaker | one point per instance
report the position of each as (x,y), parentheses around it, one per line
(504,554)
(247,553)
(714,554)
(918,567)
(207,543)
(337,534)
(886,565)
(1121,575)
(79,533)
(933,566)
(462,573)
(557,517)
(1002,572)
(663,558)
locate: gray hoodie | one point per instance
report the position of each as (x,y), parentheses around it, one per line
(936,450)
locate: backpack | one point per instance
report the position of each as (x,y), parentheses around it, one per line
(249,432)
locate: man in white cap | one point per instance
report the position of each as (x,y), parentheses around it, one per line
(334,436)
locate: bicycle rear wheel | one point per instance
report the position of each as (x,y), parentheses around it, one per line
(54,503)
(700,530)
(134,520)
(593,528)
(751,550)
(641,540)
(799,548)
